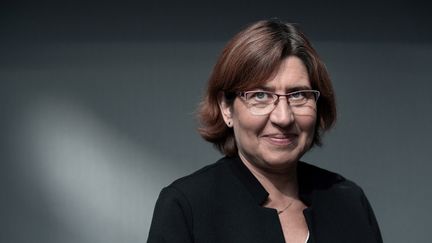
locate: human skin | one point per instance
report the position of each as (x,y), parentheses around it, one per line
(273,143)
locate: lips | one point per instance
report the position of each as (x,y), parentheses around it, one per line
(281,139)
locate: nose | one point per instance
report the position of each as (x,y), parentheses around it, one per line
(282,115)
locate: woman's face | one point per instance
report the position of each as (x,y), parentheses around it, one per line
(274,142)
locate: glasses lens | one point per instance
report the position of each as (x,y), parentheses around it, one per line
(302,97)
(260,102)
(262,110)
(301,102)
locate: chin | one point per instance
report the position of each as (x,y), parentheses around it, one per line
(281,161)
(279,168)
(282,156)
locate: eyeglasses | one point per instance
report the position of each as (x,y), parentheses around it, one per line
(301,102)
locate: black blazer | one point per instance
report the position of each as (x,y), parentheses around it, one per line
(222,203)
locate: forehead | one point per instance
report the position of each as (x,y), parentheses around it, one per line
(291,73)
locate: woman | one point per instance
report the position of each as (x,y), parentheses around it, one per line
(269,99)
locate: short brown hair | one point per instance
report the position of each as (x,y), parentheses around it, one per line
(248,60)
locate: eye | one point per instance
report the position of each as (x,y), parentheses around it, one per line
(299,95)
(260,96)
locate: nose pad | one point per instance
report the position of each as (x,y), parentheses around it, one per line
(282,114)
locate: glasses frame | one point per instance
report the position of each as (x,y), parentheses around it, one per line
(243,94)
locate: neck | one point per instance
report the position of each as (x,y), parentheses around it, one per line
(280,186)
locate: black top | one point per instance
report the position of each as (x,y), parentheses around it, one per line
(222,203)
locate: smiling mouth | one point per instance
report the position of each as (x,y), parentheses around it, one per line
(281,139)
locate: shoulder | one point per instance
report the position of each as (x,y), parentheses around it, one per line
(324,182)
(203,176)
(339,205)
(203,183)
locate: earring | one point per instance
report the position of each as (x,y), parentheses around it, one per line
(229,124)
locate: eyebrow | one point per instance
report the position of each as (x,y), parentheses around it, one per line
(288,90)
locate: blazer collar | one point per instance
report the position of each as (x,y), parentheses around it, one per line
(305,182)
(248,179)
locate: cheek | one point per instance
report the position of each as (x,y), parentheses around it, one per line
(246,124)
(307,125)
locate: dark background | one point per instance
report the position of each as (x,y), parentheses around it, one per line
(98,100)
(192,21)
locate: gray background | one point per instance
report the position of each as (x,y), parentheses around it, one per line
(97,103)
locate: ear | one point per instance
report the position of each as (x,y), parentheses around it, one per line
(226,109)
